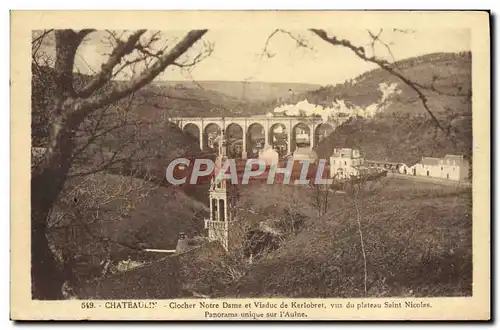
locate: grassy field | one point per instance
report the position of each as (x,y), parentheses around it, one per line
(417,239)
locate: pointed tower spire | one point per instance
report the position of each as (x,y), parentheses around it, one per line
(222,197)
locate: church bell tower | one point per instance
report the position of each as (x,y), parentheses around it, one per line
(222,196)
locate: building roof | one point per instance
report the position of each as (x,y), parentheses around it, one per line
(383,162)
(460,157)
(343,152)
(454,158)
(430,161)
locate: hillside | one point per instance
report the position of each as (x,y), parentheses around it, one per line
(179,100)
(213,98)
(116,215)
(131,210)
(417,238)
(250,91)
(403,131)
(401,138)
(447,76)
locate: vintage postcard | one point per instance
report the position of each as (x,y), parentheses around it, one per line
(250,165)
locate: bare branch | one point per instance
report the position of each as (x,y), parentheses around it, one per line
(405,31)
(198,58)
(37,42)
(122,49)
(383,64)
(433,88)
(301,42)
(118,92)
(41,36)
(377,39)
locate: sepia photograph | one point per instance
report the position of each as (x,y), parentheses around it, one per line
(231,169)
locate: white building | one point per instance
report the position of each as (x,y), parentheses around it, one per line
(450,167)
(345,162)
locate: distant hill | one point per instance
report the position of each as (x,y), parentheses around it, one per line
(448,73)
(194,101)
(404,132)
(251,91)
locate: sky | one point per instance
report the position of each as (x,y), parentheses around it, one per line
(238,54)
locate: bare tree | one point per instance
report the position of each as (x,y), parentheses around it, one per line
(358,190)
(320,196)
(77,103)
(321,191)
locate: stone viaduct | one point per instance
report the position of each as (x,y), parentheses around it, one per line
(313,126)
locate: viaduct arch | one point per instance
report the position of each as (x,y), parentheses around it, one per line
(314,127)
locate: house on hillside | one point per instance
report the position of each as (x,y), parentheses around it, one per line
(455,167)
(390,166)
(345,163)
(450,167)
(428,166)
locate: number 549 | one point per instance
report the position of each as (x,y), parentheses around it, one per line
(87,305)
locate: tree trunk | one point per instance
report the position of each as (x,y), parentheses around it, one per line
(48,178)
(46,184)
(46,276)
